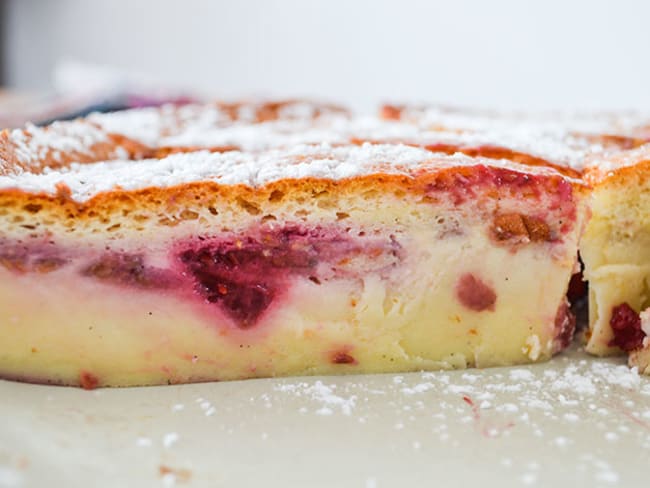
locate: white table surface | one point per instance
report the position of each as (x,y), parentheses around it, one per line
(575,421)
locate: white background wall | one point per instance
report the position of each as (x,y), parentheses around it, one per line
(498,53)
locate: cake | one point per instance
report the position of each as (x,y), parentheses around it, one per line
(615,250)
(611,154)
(350,256)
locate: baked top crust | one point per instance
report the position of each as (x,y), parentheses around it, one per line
(614,127)
(141,133)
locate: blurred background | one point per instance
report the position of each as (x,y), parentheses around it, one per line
(552,54)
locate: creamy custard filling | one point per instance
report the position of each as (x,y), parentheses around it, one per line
(283,299)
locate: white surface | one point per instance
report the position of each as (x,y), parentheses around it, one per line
(573,422)
(502,53)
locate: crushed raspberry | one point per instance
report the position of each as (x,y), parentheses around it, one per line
(244,275)
(88,381)
(343,358)
(475,294)
(565,326)
(626,326)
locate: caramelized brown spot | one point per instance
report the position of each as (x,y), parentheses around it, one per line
(88,381)
(47,265)
(506,226)
(475,294)
(276,196)
(127,269)
(538,230)
(14,263)
(512,225)
(250,207)
(189,215)
(33,207)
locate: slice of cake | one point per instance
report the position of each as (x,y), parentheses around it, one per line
(612,154)
(616,252)
(316,259)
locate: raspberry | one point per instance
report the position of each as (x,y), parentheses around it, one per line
(475,294)
(626,325)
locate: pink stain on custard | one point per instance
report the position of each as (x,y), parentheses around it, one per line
(241,274)
(462,186)
(469,183)
(475,294)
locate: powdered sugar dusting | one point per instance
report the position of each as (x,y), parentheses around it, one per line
(319,161)
(214,124)
(552,403)
(522,423)
(36,143)
(150,125)
(322,394)
(550,123)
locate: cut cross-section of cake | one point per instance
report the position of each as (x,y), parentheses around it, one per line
(316,259)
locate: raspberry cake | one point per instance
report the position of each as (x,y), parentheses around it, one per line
(610,152)
(310,259)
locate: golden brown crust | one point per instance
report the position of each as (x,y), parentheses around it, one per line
(430,186)
(454,184)
(623,175)
(112,147)
(116,145)
(618,137)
